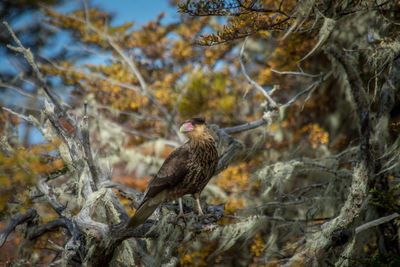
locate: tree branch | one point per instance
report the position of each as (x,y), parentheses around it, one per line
(47,227)
(376,222)
(308,89)
(29,216)
(126,191)
(256,85)
(301,73)
(88,150)
(248,126)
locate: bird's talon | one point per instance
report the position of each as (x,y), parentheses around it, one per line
(208,218)
(181,216)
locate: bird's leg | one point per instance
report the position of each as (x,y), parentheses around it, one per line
(197,197)
(181,214)
(180,208)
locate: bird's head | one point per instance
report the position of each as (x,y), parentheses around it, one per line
(195,127)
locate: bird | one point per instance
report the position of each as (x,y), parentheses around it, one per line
(187,170)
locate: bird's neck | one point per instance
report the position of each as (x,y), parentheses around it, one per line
(203,140)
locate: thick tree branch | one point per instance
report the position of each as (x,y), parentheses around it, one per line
(88,150)
(47,227)
(18,219)
(247,126)
(376,222)
(126,191)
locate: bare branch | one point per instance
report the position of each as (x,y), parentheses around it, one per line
(256,85)
(376,222)
(47,227)
(308,89)
(29,118)
(248,126)
(18,90)
(301,73)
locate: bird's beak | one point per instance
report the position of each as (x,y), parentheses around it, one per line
(186,127)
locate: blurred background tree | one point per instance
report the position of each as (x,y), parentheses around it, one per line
(313,84)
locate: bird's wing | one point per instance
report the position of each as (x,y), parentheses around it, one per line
(171,172)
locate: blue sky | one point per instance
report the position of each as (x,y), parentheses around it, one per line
(141,11)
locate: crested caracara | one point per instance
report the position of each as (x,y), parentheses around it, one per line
(186,170)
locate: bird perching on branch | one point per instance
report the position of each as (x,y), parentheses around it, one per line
(186,170)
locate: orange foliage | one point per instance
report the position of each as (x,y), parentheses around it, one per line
(395,127)
(316,135)
(233,205)
(258,245)
(235,178)
(134,182)
(200,257)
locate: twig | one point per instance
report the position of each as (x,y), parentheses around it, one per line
(54,245)
(309,88)
(301,73)
(179,99)
(97,76)
(256,85)
(18,90)
(303,190)
(29,119)
(56,263)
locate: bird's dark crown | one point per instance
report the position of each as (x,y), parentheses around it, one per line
(197,120)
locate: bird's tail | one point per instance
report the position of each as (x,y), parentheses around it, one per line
(142,213)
